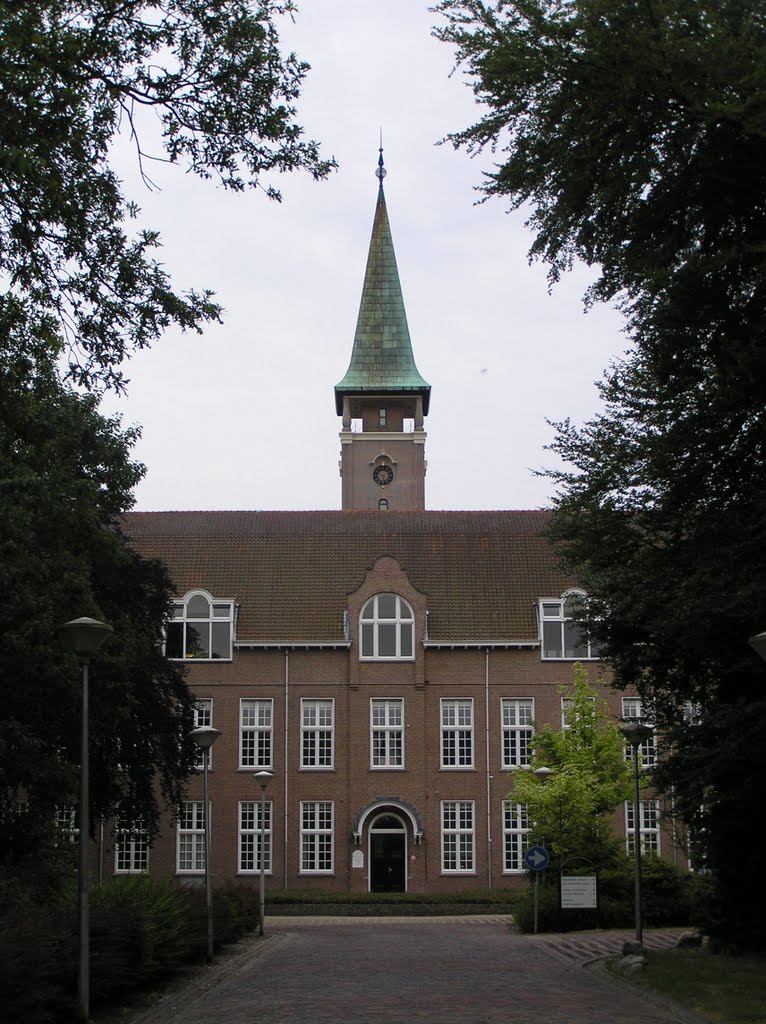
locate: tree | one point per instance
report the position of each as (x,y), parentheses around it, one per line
(571,809)
(637,133)
(65,479)
(75,73)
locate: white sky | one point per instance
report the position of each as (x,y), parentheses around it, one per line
(244,416)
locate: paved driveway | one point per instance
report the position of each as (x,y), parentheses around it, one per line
(411,971)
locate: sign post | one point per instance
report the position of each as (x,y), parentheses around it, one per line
(536,858)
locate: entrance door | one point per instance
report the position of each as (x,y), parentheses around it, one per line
(387,855)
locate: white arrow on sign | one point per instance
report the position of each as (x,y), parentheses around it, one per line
(536,858)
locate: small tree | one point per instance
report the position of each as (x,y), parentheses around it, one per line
(570,809)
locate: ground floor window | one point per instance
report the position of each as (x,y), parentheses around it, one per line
(458,836)
(254,822)
(316,837)
(515,833)
(191,837)
(131,849)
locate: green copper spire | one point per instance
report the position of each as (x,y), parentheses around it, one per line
(381,360)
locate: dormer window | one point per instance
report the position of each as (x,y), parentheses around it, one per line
(562,637)
(387,626)
(201,628)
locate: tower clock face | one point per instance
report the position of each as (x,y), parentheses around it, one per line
(383,475)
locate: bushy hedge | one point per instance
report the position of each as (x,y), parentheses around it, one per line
(668,900)
(317,901)
(142,930)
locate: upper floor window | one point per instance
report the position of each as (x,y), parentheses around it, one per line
(457,733)
(517,718)
(387,628)
(256,721)
(131,849)
(317,724)
(200,628)
(382,417)
(203,716)
(387,732)
(633,708)
(562,637)
(647,826)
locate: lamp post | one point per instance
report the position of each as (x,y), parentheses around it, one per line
(84,636)
(635,733)
(758,643)
(205,736)
(542,773)
(263,778)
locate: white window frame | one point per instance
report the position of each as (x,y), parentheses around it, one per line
(256,732)
(633,708)
(516,731)
(567,703)
(215,628)
(386,733)
(515,836)
(456,733)
(203,717)
(458,820)
(648,827)
(67,822)
(317,733)
(131,849)
(556,616)
(190,842)
(398,626)
(317,838)
(249,818)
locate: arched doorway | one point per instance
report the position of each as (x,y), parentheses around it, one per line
(388,853)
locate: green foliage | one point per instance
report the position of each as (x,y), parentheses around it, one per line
(74,74)
(162,913)
(65,477)
(569,811)
(668,897)
(637,132)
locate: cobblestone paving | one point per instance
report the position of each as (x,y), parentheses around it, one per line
(411,971)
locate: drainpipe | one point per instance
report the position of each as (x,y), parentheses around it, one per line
(487,767)
(286,762)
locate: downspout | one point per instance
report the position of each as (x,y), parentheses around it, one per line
(487,767)
(285,838)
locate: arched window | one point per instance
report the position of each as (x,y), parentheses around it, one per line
(201,628)
(383,505)
(387,628)
(563,637)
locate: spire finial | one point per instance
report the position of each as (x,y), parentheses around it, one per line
(381,171)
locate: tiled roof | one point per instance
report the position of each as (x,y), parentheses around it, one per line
(381,360)
(291,572)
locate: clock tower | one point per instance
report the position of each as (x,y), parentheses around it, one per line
(382,398)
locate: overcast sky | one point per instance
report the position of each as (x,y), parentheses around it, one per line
(244,417)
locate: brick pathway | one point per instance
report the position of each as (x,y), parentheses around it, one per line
(467,970)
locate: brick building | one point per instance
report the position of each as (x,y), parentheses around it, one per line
(385,662)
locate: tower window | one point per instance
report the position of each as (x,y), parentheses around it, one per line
(383,505)
(382,417)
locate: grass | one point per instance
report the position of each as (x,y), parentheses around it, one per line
(723,988)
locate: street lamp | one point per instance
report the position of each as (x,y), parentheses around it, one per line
(84,636)
(758,643)
(205,736)
(635,733)
(263,778)
(542,773)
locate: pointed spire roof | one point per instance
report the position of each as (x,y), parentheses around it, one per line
(381,360)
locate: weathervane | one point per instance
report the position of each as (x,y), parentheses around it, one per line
(381,171)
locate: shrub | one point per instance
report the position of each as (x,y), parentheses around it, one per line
(160,942)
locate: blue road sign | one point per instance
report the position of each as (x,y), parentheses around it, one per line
(536,858)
